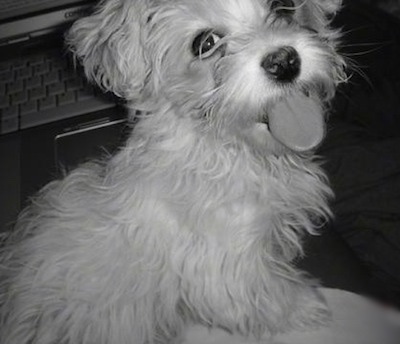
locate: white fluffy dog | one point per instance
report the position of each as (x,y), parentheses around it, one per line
(197,219)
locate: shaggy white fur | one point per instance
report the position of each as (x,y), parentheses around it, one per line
(197,219)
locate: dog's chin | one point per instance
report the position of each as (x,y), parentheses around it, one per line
(296,123)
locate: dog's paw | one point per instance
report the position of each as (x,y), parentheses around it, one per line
(311,311)
(198,334)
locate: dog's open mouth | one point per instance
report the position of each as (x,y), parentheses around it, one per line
(297,122)
(265,120)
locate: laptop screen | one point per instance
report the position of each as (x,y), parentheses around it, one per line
(26,18)
(11,9)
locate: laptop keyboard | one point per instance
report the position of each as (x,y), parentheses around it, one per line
(41,89)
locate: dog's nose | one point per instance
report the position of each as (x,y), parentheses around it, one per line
(282,65)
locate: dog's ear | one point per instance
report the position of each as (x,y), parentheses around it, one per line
(109,45)
(318,14)
(330,7)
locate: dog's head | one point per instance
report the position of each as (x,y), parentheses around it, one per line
(258,70)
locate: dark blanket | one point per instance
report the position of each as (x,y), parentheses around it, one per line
(362,150)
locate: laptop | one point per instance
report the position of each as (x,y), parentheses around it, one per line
(51,118)
(38,83)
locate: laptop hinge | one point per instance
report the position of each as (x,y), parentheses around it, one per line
(33,27)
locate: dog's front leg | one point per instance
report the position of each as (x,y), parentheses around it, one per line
(198,334)
(310,314)
(311,309)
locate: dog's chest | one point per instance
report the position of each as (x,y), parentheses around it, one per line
(235,208)
(237,221)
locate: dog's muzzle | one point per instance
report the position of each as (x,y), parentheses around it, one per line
(297,120)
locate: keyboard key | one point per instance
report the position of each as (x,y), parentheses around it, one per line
(62,112)
(66,98)
(5,66)
(19,97)
(37,92)
(4,101)
(74,84)
(23,73)
(11,111)
(8,124)
(33,81)
(51,78)
(2,89)
(47,103)
(16,86)
(28,107)
(36,60)
(53,56)
(18,64)
(41,68)
(7,76)
(68,74)
(85,93)
(59,64)
(55,89)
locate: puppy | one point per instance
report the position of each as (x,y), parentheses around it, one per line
(197,219)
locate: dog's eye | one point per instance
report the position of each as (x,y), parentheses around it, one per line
(204,42)
(283,7)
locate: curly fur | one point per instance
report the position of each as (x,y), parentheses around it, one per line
(197,219)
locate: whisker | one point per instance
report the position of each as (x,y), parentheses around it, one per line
(344,33)
(357,69)
(365,44)
(361,53)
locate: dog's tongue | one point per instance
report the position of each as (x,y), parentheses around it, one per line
(297,122)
